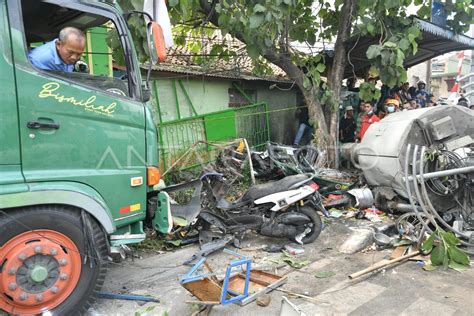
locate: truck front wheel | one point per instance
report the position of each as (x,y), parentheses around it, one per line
(47,263)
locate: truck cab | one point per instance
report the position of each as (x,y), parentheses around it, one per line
(78,156)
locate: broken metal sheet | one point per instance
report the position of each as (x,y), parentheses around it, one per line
(207,249)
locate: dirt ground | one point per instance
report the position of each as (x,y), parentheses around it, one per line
(406,289)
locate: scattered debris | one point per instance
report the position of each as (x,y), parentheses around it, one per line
(273,248)
(236,287)
(398,252)
(292,261)
(209,248)
(290,309)
(363,197)
(382,264)
(127,297)
(358,240)
(294,250)
(264,300)
(373,215)
(382,240)
(335,213)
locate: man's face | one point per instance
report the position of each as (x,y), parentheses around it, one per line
(350,113)
(71,50)
(405,87)
(367,107)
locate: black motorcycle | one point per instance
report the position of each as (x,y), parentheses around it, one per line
(285,208)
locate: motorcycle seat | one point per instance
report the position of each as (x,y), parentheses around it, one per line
(261,190)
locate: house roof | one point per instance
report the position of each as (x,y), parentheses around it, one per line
(181,60)
(435,41)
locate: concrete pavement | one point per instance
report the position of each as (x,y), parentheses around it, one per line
(404,290)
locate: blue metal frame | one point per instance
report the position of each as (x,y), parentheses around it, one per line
(193,276)
(238,263)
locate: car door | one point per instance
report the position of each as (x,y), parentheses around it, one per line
(72,131)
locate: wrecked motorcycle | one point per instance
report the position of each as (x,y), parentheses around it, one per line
(285,208)
(278,161)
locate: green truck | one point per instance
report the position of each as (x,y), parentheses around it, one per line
(78,158)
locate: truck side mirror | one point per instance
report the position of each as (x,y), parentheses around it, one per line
(146,94)
(156,42)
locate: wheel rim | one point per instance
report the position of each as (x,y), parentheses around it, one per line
(38,271)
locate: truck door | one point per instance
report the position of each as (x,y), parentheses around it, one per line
(78,127)
(10,169)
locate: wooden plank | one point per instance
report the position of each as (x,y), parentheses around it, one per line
(204,290)
(265,276)
(260,283)
(398,252)
(382,264)
(271,287)
(237,284)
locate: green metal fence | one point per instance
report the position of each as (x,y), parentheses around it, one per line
(176,137)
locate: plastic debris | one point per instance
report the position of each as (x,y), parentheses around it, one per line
(335,213)
(293,250)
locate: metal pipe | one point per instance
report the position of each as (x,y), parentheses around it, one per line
(402,207)
(466,76)
(443,173)
(418,195)
(410,197)
(434,211)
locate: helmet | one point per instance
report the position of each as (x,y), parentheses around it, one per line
(392,101)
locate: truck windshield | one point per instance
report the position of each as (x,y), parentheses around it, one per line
(80,46)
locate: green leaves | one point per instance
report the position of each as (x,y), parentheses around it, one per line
(388,58)
(424,12)
(458,256)
(253,51)
(373,51)
(292,261)
(321,68)
(427,245)
(256,20)
(368,92)
(404,44)
(437,255)
(390,4)
(259,8)
(429,267)
(371,28)
(444,250)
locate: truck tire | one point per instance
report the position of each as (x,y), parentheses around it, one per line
(316,225)
(42,266)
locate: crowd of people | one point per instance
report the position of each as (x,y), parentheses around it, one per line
(359,115)
(355,123)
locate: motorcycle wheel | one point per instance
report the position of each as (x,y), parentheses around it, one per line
(316,225)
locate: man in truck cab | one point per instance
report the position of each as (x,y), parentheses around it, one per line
(62,53)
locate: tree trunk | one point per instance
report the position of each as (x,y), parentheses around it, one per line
(283,60)
(337,70)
